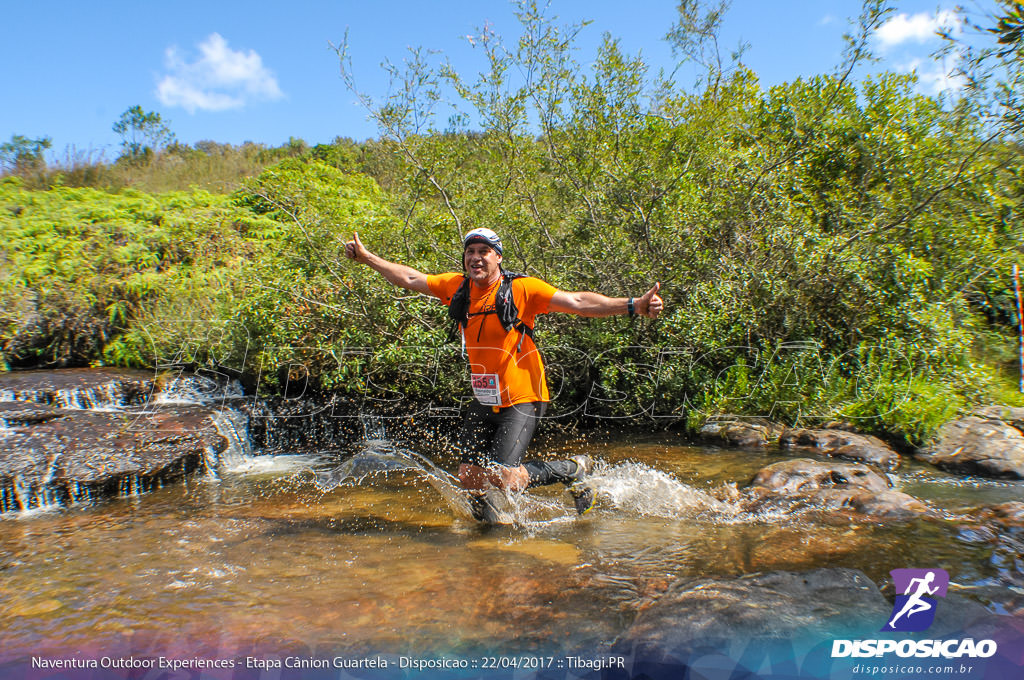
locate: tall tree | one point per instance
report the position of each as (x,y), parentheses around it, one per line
(142,133)
(22,153)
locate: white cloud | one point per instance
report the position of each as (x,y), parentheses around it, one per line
(936,76)
(918,28)
(826,20)
(220,79)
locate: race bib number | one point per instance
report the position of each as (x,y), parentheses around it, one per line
(487,388)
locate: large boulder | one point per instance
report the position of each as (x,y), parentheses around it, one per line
(983,446)
(802,483)
(740,433)
(842,444)
(697,615)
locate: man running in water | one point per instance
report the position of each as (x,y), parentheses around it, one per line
(495,313)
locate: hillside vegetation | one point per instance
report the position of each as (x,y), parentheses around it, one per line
(827,249)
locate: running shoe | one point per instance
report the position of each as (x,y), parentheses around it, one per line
(584,466)
(491,507)
(583,497)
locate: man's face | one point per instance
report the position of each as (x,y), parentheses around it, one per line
(483,263)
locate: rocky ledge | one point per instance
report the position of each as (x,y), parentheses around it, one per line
(117,441)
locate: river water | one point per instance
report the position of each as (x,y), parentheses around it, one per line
(369,551)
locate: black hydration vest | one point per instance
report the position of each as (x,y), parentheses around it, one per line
(504,308)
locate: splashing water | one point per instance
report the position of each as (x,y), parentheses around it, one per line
(638,489)
(380,456)
(633,488)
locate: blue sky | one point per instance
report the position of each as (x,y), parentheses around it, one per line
(232,72)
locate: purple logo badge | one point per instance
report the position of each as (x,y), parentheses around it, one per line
(914,609)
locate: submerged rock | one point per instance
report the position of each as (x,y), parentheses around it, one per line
(842,444)
(693,615)
(740,433)
(974,445)
(803,483)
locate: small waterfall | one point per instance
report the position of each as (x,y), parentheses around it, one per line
(81,493)
(234,427)
(107,397)
(22,496)
(195,389)
(129,394)
(230,424)
(112,395)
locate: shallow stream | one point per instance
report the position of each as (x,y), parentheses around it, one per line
(369,550)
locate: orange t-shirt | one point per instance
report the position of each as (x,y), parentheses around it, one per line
(501,376)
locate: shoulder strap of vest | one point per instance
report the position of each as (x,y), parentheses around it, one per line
(508,313)
(504,307)
(458,308)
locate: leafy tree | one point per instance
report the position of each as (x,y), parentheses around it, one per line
(1009,32)
(141,133)
(989,47)
(22,153)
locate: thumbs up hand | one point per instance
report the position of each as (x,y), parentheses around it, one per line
(355,250)
(651,304)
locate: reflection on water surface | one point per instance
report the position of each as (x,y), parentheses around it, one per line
(263,558)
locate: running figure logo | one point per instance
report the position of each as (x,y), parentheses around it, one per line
(914,609)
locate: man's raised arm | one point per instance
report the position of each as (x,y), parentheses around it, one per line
(398,274)
(594,304)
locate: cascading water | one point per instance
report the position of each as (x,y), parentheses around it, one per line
(45,488)
(107,397)
(232,426)
(195,389)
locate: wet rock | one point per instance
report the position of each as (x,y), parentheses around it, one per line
(13,413)
(1009,513)
(694,615)
(886,504)
(802,484)
(1010,415)
(1005,514)
(49,455)
(79,388)
(973,445)
(804,474)
(740,433)
(842,444)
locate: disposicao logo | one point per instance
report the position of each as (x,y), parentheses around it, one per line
(912,612)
